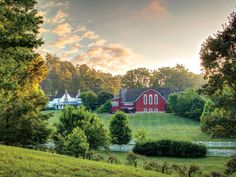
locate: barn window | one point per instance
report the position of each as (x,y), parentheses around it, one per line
(150,99)
(156,109)
(150,110)
(145,109)
(156,99)
(145,99)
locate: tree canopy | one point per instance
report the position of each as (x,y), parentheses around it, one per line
(218,59)
(21,71)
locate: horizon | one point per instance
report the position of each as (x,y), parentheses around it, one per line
(116,36)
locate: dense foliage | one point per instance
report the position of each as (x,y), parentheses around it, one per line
(119,129)
(64,75)
(187,103)
(219,66)
(231,166)
(76,143)
(105,108)
(88,122)
(171,148)
(176,78)
(89,100)
(21,71)
(104,96)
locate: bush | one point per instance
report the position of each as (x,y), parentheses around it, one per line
(132,159)
(141,135)
(105,108)
(231,166)
(218,122)
(89,100)
(188,104)
(103,97)
(170,148)
(76,143)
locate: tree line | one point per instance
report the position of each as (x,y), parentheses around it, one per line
(64,75)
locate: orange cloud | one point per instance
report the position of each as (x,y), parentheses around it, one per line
(62,29)
(60,17)
(154,8)
(114,58)
(66,40)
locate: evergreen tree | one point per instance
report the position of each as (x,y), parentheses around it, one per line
(21,71)
(76,143)
(119,129)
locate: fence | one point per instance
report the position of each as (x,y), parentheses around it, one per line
(209,145)
(216,144)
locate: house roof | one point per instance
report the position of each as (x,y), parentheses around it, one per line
(131,94)
(61,93)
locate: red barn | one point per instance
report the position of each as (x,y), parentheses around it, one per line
(141,100)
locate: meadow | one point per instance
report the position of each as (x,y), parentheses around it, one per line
(19,162)
(158,126)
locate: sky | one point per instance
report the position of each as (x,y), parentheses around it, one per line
(117,35)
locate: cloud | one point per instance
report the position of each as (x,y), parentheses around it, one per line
(43,30)
(51,4)
(66,40)
(90,35)
(113,57)
(80,29)
(154,8)
(60,17)
(62,29)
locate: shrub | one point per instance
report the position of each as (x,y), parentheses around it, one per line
(141,135)
(188,104)
(171,148)
(132,159)
(89,100)
(152,165)
(76,143)
(103,97)
(105,108)
(113,159)
(231,166)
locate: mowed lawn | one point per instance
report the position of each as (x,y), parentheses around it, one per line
(157,126)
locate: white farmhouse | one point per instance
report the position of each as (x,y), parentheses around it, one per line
(62,99)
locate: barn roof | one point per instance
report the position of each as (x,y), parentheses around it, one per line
(131,94)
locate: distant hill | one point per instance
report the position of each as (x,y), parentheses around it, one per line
(21,162)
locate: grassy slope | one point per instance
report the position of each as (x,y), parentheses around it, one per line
(159,126)
(29,163)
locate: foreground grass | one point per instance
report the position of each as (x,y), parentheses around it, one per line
(207,164)
(157,126)
(18,162)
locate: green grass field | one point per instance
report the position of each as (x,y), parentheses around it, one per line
(158,126)
(207,164)
(20,162)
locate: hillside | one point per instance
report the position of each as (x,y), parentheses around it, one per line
(19,162)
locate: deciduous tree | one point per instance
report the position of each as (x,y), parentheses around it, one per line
(21,71)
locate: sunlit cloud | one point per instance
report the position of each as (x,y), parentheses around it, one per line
(62,29)
(66,40)
(113,57)
(51,4)
(154,8)
(60,17)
